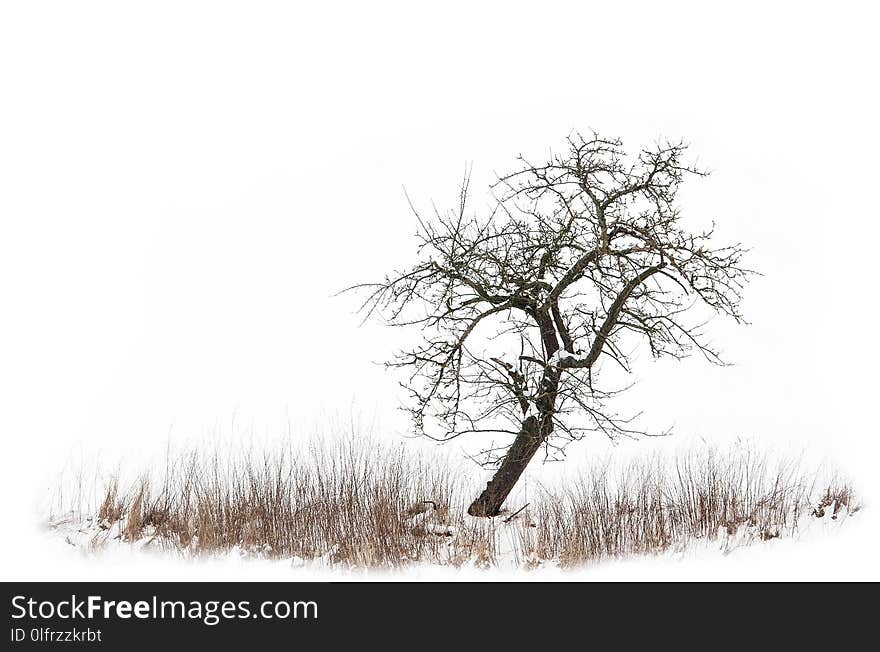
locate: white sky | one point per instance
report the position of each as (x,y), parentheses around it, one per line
(183,186)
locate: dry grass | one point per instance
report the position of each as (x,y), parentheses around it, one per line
(650,507)
(357,504)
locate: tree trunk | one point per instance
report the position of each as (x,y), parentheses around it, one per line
(534,431)
(524,447)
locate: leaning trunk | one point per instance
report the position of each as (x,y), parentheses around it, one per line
(535,431)
(524,447)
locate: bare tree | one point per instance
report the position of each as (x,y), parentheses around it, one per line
(577,259)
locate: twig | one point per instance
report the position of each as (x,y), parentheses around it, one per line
(513,516)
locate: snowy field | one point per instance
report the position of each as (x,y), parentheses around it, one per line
(690,515)
(824,548)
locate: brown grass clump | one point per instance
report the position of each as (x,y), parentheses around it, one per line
(360,505)
(134,521)
(112,508)
(650,507)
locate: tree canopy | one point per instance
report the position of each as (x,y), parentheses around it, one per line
(579,257)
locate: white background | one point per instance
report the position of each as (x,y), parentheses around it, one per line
(184,186)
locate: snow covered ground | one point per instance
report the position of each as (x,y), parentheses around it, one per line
(833,546)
